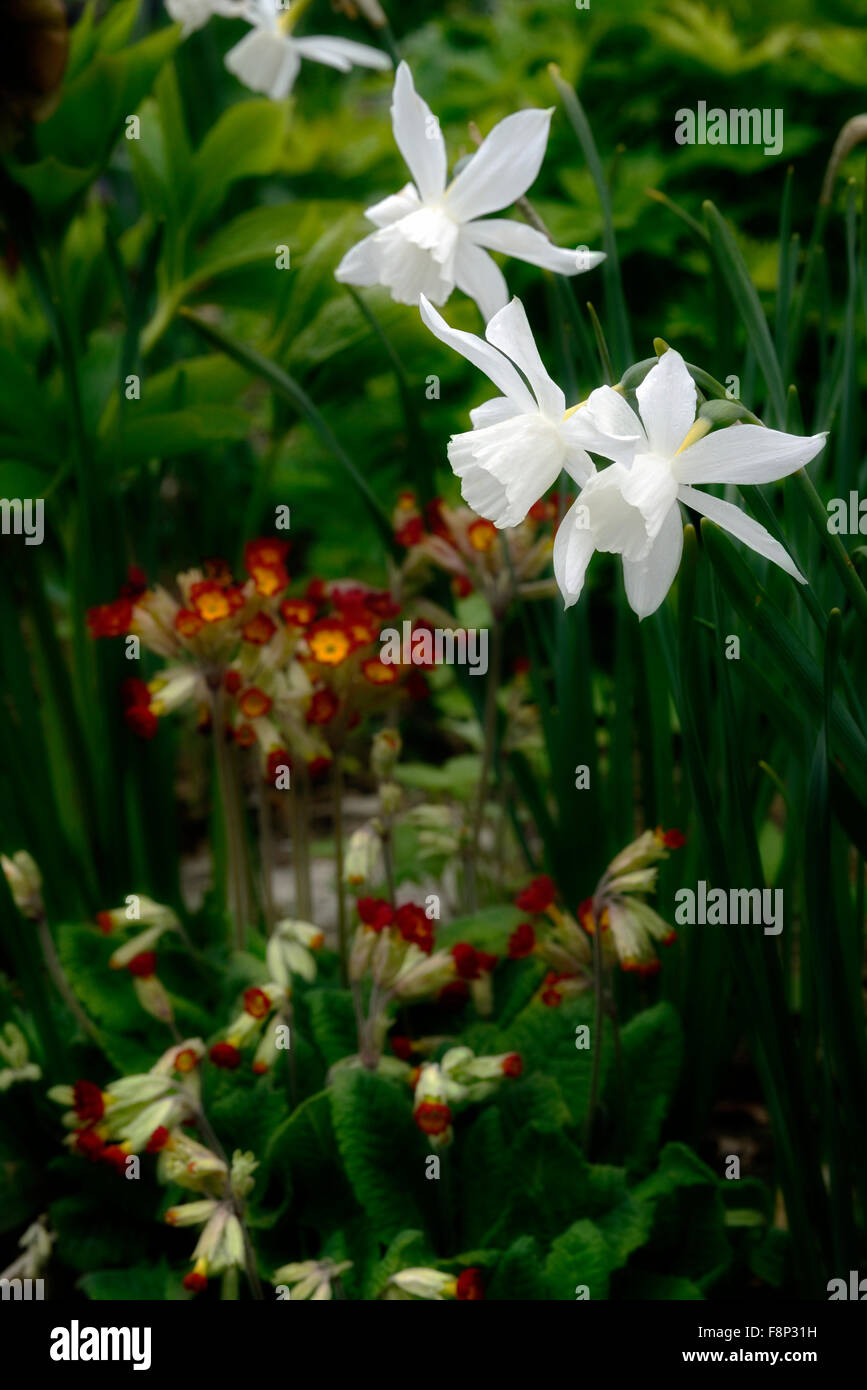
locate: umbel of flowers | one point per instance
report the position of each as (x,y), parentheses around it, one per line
(286,676)
(629,927)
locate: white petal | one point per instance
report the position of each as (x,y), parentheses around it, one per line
(667,401)
(649,580)
(361,264)
(525,243)
(342,53)
(582,431)
(394,207)
(523,455)
(618,527)
(265,62)
(573,549)
(503,167)
(416,256)
(745,454)
(510,331)
(743,527)
(480,278)
(495,366)
(622,433)
(493,412)
(418,137)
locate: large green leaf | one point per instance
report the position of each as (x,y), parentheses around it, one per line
(381,1148)
(652,1047)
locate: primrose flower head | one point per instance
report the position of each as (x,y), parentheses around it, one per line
(433,235)
(618,908)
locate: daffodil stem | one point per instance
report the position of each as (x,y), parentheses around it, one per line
(337,782)
(597,1038)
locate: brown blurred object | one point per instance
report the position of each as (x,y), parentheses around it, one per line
(371,9)
(34,48)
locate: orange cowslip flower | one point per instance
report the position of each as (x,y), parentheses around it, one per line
(482,535)
(587,917)
(381,604)
(522,941)
(415,926)
(136,583)
(233,681)
(361,630)
(259,630)
(245,736)
(513,1064)
(378,673)
(461,586)
(537,896)
(210,600)
(188,623)
(142,720)
(318,766)
(277,758)
(256,1003)
(88,1101)
(436,521)
(225,1055)
(266,552)
(329,643)
(411,532)
(672,839)
(134,691)
(254,703)
(297,612)
(469,1284)
(269,579)
(432,1117)
(143,965)
(323,707)
(110,619)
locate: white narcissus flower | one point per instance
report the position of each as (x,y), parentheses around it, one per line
(430,237)
(521,440)
(631,509)
(194,14)
(268,59)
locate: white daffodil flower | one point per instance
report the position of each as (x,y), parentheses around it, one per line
(430,237)
(194,14)
(521,440)
(268,59)
(631,508)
